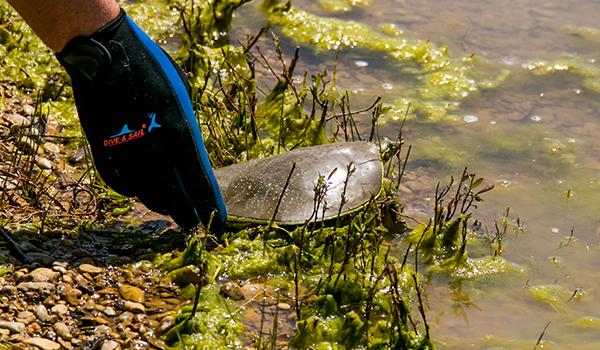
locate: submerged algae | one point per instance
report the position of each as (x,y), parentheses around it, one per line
(438,79)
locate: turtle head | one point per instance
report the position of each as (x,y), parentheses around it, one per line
(388,149)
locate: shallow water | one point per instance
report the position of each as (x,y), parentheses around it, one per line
(536,137)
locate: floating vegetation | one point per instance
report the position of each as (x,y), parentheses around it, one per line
(438,81)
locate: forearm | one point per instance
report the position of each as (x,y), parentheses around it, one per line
(56,22)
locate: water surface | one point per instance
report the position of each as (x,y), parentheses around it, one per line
(536,137)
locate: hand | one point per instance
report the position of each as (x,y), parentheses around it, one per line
(135,110)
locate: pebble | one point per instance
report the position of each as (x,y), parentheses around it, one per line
(284,306)
(165,324)
(26,317)
(43,163)
(28,145)
(59,309)
(110,345)
(41,312)
(42,343)
(28,109)
(69,294)
(109,311)
(43,274)
(13,327)
(15,119)
(136,308)
(90,269)
(232,290)
(44,288)
(63,330)
(131,293)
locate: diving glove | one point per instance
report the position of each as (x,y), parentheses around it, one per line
(135,110)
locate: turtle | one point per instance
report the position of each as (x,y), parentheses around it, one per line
(268,190)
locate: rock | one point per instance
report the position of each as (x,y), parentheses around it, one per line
(44,344)
(43,274)
(65,344)
(15,119)
(69,294)
(136,308)
(155,304)
(33,328)
(67,279)
(232,290)
(91,269)
(13,327)
(26,317)
(165,282)
(131,293)
(41,312)
(284,306)
(28,109)
(191,274)
(43,163)
(44,288)
(89,305)
(110,345)
(60,309)
(52,319)
(125,316)
(59,269)
(103,330)
(165,324)
(80,280)
(109,311)
(28,145)
(7,290)
(63,331)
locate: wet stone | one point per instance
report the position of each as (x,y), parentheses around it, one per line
(41,312)
(13,327)
(44,288)
(109,311)
(284,306)
(7,290)
(59,269)
(65,344)
(232,290)
(26,317)
(125,316)
(110,345)
(131,293)
(136,308)
(69,294)
(59,309)
(90,269)
(63,331)
(43,344)
(165,283)
(165,324)
(18,120)
(80,280)
(42,274)
(43,163)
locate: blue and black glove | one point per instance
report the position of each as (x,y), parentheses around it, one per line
(135,110)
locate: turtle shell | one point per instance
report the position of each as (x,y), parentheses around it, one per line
(252,189)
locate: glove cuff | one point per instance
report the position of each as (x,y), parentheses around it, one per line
(86,57)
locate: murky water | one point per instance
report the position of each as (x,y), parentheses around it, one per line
(536,137)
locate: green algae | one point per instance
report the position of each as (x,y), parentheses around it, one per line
(438,81)
(340,6)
